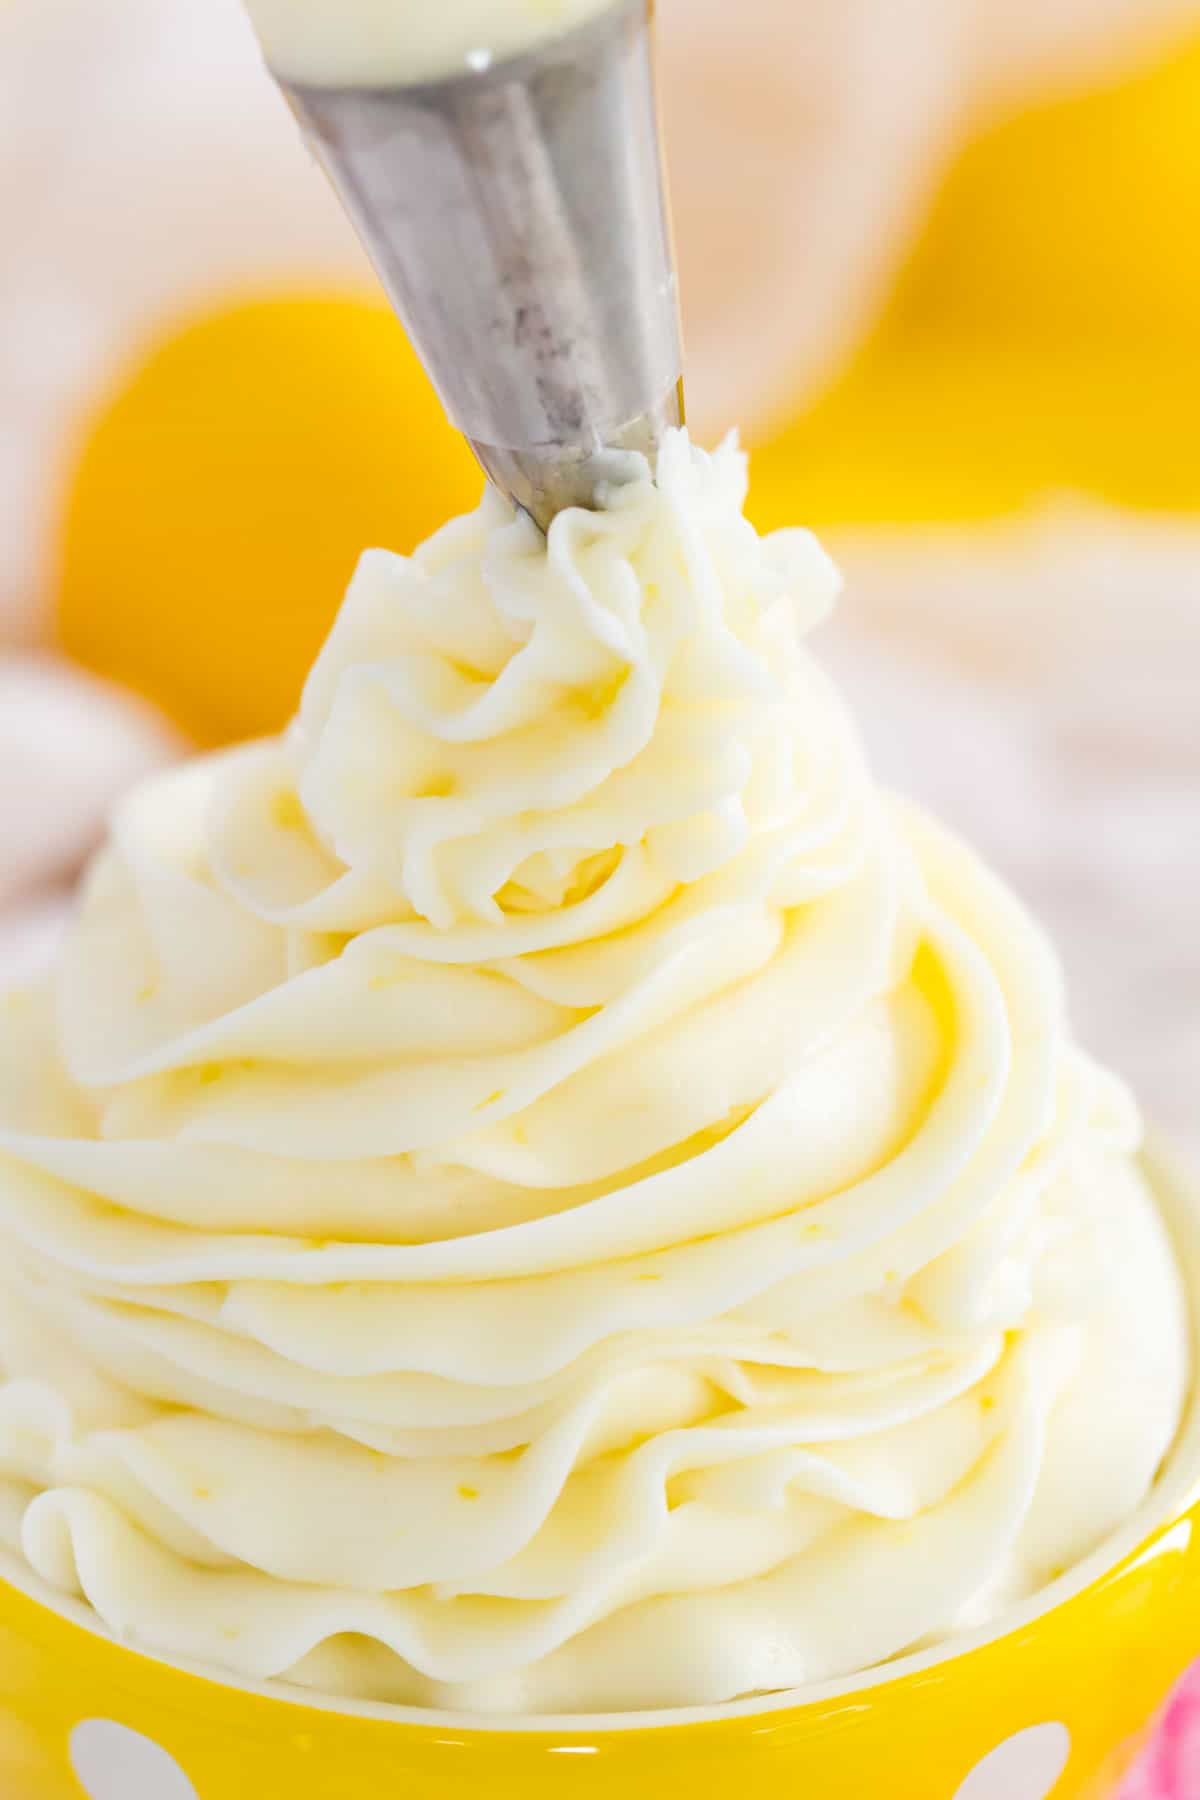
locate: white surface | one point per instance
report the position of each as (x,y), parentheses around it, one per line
(30,933)
(71,745)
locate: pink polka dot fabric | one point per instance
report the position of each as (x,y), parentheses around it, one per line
(1169,1768)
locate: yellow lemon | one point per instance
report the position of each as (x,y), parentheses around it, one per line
(223,495)
(1044,335)
(1078,219)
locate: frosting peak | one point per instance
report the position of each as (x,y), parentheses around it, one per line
(553,1114)
(498,722)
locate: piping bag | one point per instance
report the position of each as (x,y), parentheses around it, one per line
(515,210)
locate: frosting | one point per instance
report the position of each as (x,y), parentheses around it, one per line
(376,43)
(543,1189)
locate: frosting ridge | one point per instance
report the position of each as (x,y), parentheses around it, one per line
(551,1111)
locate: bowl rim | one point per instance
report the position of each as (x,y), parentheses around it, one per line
(1143,1535)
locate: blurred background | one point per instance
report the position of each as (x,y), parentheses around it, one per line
(941,262)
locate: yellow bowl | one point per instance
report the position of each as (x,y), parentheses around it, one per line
(1047,1704)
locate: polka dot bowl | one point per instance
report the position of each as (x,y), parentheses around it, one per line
(1043,1706)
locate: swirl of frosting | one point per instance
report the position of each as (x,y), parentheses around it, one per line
(543,1190)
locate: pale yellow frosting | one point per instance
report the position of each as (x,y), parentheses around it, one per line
(377,43)
(542,1189)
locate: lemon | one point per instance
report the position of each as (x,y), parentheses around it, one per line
(1043,337)
(225,490)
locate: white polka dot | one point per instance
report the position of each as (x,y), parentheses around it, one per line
(114,1763)
(1027,1767)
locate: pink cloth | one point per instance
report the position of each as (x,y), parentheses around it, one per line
(1169,1769)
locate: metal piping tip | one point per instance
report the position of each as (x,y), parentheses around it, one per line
(517,216)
